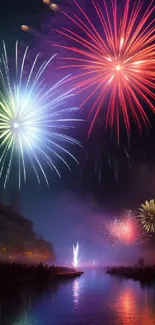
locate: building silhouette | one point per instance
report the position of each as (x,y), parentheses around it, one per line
(18,239)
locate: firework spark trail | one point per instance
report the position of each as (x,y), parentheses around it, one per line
(76,255)
(115,60)
(32,119)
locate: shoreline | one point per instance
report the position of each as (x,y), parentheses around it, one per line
(143,274)
(16,273)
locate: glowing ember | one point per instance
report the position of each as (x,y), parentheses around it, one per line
(25,28)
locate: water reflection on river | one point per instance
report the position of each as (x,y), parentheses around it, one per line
(93,299)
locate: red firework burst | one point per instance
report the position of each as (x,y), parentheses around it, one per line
(115,58)
(121,232)
(125,231)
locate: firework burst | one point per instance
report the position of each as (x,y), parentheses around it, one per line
(126,230)
(33,119)
(147,215)
(115,60)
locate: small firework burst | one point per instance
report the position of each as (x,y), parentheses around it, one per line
(147,215)
(125,230)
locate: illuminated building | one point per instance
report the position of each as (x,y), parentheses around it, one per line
(18,240)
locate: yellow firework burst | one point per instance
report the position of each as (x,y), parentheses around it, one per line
(147,215)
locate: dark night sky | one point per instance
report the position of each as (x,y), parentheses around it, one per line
(73,207)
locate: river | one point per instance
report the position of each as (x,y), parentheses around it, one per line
(93,299)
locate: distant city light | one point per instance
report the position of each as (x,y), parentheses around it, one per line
(76,255)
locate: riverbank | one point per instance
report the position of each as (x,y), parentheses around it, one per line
(16,273)
(142,274)
(69,275)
